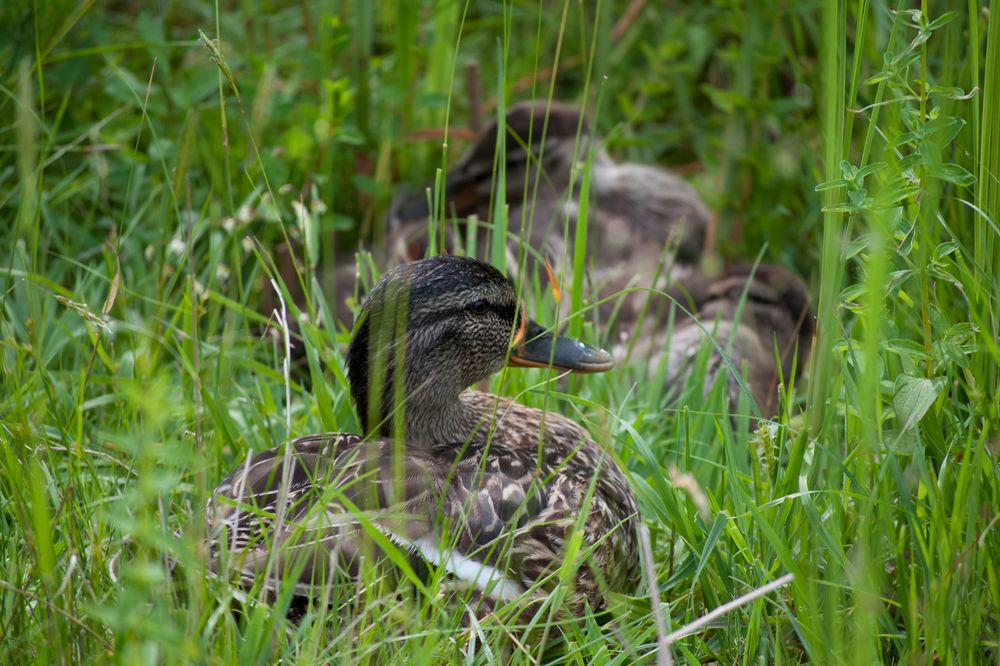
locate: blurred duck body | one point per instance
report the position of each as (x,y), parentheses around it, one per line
(762,320)
(645,226)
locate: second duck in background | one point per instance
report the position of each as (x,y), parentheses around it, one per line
(646,226)
(760,318)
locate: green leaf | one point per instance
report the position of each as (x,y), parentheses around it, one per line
(859,198)
(853,292)
(848,170)
(917,41)
(831,184)
(911,347)
(884,75)
(842,208)
(870,169)
(896,278)
(856,246)
(944,129)
(909,56)
(942,20)
(911,118)
(912,397)
(726,101)
(952,92)
(907,138)
(944,249)
(906,243)
(903,193)
(954,173)
(948,351)
(906,164)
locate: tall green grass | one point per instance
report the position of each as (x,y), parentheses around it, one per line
(141,201)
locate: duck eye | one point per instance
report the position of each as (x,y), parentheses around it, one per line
(478,306)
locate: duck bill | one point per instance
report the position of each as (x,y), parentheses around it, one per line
(534,347)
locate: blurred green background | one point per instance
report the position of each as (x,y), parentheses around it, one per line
(154,155)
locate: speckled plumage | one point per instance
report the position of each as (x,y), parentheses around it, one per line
(480,484)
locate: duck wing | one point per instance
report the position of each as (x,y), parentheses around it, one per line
(513,521)
(494,519)
(336,483)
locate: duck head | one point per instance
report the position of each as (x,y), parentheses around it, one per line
(431,328)
(539,136)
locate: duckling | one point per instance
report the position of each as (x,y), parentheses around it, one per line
(776,323)
(636,210)
(486,488)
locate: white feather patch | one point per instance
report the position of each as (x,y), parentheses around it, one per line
(483,576)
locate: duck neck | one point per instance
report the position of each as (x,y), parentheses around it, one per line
(432,417)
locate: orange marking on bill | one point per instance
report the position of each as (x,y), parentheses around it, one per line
(522,327)
(556,291)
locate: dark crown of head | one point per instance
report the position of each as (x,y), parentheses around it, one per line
(524,119)
(432,289)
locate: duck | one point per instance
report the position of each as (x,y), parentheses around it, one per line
(476,484)
(760,341)
(646,225)
(469,185)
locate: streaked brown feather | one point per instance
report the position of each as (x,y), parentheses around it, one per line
(505,507)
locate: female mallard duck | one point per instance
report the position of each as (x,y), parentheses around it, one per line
(636,214)
(772,333)
(479,485)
